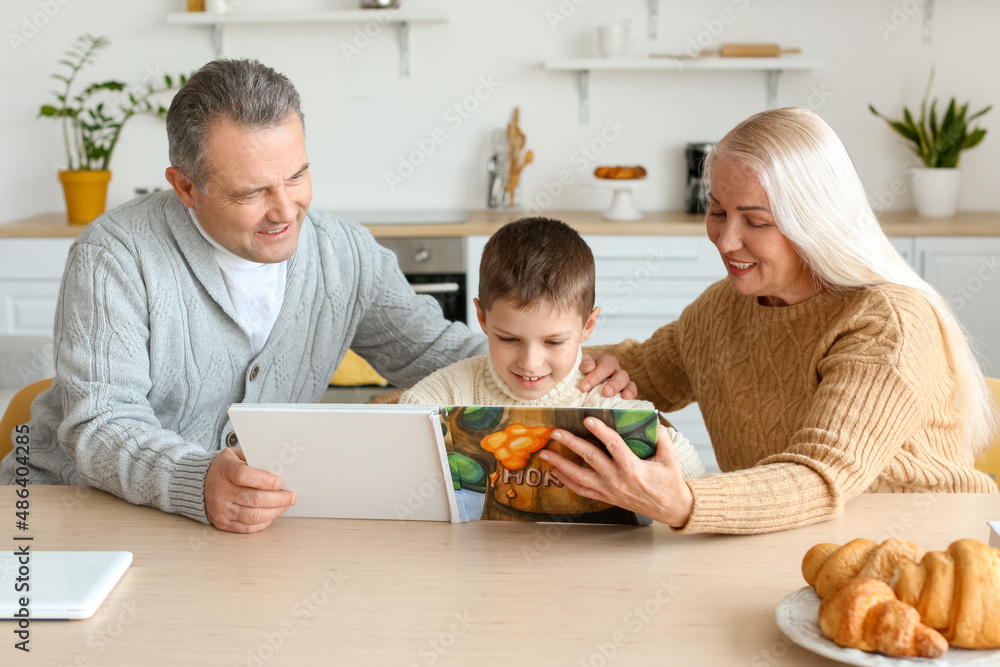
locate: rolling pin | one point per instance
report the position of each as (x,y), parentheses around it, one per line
(751,51)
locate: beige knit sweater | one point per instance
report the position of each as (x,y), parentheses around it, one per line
(808,405)
(475,381)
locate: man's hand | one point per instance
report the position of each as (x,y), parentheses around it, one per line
(606,367)
(241,499)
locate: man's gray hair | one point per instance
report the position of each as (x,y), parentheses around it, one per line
(245,91)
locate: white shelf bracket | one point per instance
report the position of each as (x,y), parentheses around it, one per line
(217,41)
(654,20)
(584,96)
(772,88)
(404,49)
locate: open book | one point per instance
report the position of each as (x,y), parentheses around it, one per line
(437,463)
(496,472)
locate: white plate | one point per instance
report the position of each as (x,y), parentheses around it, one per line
(798,617)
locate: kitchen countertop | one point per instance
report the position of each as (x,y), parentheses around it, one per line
(484,223)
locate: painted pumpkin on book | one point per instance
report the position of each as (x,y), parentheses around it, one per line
(502,445)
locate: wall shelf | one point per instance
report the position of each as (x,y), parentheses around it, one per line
(401,18)
(772,66)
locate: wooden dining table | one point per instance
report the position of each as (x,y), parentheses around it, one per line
(412,593)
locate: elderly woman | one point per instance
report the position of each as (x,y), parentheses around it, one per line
(824,366)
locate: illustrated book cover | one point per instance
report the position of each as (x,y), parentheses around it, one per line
(497,474)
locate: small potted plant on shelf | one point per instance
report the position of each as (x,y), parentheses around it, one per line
(938,142)
(92,122)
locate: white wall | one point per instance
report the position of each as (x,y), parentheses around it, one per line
(361,117)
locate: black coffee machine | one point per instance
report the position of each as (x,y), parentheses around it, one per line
(696,188)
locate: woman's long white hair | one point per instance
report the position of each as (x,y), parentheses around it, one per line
(820,205)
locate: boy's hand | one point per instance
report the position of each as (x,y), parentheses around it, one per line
(606,367)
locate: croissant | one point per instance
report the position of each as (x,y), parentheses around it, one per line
(620,172)
(865,614)
(957,592)
(828,566)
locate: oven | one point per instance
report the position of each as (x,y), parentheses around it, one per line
(434,266)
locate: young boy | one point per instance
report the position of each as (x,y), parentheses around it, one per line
(536,305)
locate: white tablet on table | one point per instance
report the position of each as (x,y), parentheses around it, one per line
(58,584)
(352,461)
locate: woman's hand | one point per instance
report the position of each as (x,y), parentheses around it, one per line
(654,487)
(606,367)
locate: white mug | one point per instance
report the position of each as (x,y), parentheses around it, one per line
(614,40)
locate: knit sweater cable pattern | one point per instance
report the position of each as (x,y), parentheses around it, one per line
(809,405)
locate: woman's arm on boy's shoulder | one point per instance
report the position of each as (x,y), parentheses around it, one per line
(655,366)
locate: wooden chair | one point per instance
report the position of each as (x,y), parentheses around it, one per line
(989,462)
(19,412)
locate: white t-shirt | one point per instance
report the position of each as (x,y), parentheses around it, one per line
(256,290)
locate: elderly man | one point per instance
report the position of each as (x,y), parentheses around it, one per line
(227,289)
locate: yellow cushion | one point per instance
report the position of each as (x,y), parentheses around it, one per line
(354,370)
(989,462)
(19,412)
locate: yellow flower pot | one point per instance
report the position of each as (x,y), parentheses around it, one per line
(86,193)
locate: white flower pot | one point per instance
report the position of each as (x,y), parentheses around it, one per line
(935,191)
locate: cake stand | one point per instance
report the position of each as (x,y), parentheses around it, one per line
(622,204)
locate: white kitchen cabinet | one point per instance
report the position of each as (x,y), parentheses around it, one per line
(965,270)
(30,273)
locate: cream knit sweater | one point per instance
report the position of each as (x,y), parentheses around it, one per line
(475,381)
(808,405)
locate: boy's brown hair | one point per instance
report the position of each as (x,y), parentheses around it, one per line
(538,259)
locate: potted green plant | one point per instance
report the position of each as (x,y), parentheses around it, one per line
(92,122)
(939,143)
